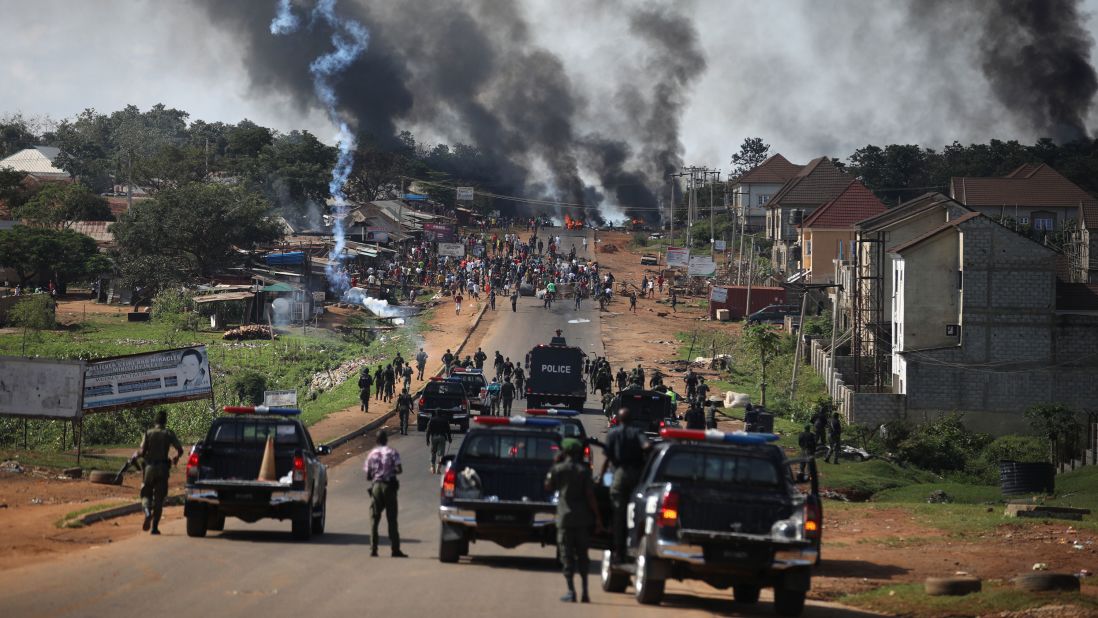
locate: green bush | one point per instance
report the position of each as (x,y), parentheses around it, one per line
(1031,449)
(942,445)
(248,387)
(640,239)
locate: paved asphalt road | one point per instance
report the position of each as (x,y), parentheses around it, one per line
(257,570)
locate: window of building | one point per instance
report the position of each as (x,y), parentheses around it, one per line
(808,247)
(1044,223)
(1023,220)
(763,199)
(960,279)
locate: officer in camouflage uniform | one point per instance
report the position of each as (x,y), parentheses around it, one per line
(404,409)
(576,512)
(154,487)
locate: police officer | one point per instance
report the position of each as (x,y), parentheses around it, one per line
(819,422)
(750,418)
(421,362)
(438,436)
(404,408)
(694,417)
(835,428)
(382,467)
(691,380)
(702,390)
(625,451)
(407,376)
(154,487)
(447,359)
(479,358)
(711,416)
(622,378)
(807,442)
(379,382)
(365,381)
(520,381)
(576,512)
(507,394)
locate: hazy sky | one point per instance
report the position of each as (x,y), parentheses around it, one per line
(811,77)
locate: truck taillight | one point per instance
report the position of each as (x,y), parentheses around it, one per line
(812,523)
(669,509)
(449,483)
(421,400)
(299,468)
(587,453)
(614,421)
(192,465)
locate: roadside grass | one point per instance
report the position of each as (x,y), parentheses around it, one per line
(996,597)
(289,362)
(61,460)
(72,520)
(861,481)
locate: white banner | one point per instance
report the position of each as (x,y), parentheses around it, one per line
(678,256)
(145,379)
(280,399)
(718,245)
(465,194)
(701,266)
(40,388)
(718,295)
(452,249)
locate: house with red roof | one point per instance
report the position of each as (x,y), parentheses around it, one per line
(828,234)
(1033,196)
(754,188)
(815,184)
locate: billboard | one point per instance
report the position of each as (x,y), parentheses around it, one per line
(146,379)
(718,294)
(452,249)
(280,399)
(439,232)
(40,388)
(701,266)
(719,245)
(465,194)
(678,256)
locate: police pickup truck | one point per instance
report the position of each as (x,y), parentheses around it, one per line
(722,508)
(222,472)
(476,388)
(651,410)
(494,487)
(556,376)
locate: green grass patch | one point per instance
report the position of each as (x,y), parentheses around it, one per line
(996,597)
(72,520)
(863,480)
(959,493)
(60,460)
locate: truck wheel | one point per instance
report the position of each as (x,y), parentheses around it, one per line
(320,517)
(647,589)
(421,426)
(196,522)
(612,581)
(448,551)
(216,522)
(746,594)
(302,523)
(788,602)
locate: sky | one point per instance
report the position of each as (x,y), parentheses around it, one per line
(820,77)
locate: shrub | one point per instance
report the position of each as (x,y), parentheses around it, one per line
(942,445)
(1030,449)
(640,239)
(248,387)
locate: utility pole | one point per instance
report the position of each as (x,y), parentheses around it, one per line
(750,267)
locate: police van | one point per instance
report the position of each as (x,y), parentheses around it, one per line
(556,376)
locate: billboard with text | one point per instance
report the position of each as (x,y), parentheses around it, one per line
(147,379)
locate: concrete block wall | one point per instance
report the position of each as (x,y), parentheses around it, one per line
(875,409)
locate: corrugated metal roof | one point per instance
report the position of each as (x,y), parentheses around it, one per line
(98,230)
(226,296)
(37,161)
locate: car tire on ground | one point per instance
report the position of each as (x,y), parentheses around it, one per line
(196,521)
(448,551)
(647,589)
(320,517)
(745,594)
(612,581)
(104,477)
(1041,582)
(788,602)
(216,522)
(951,586)
(302,523)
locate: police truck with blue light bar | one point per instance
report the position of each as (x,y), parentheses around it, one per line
(724,508)
(224,476)
(493,489)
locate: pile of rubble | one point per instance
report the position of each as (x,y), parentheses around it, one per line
(249,331)
(327,380)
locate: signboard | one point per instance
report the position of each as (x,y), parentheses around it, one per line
(318,297)
(719,245)
(718,295)
(465,194)
(439,232)
(376,234)
(678,256)
(452,249)
(280,399)
(39,388)
(146,379)
(702,266)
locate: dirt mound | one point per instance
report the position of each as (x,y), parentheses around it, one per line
(611,248)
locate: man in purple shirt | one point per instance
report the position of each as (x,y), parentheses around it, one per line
(382,467)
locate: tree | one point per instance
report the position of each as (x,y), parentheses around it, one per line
(35,312)
(40,255)
(190,233)
(753,151)
(1060,424)
(54,205)
(16,133)
(766,343)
